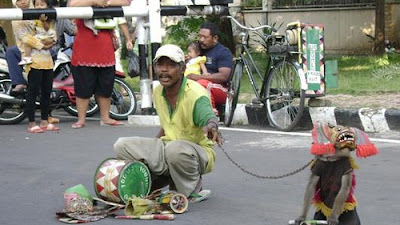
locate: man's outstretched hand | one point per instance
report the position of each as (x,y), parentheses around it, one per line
(211,132)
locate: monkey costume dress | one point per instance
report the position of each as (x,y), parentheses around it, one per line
(327,191)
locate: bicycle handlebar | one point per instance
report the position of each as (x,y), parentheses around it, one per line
(252,28)
(310,222)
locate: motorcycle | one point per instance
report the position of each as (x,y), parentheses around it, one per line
(123,99)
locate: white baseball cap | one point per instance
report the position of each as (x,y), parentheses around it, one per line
(171,51)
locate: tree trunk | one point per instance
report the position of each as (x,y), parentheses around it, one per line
(380,27)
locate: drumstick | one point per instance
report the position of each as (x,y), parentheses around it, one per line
(149,217)
(107,202)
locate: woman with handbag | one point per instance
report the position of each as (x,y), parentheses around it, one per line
(93,62)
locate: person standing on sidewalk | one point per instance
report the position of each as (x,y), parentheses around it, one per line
(94,64)
(123,26)
(183,149)
(219,65)
(40,77)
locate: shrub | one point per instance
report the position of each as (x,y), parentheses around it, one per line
(184,32)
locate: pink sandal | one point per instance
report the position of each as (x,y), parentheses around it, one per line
(50,127)
(35,129)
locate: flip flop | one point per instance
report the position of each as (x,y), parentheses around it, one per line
(35,129)
(77,125)
(198,197)
(115,123)
(50,127)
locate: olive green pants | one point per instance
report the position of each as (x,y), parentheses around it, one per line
(183,161)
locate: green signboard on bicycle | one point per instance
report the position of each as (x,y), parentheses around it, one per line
(313,59)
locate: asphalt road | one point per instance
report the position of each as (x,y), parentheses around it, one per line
(37,168)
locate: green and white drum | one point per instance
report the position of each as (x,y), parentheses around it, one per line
(117,180)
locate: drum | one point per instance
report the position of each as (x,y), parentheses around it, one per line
(117,180)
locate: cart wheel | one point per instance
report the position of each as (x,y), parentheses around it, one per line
(179,203)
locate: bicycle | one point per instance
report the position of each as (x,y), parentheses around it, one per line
(283,85)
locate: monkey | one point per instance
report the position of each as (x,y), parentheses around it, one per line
(332,181)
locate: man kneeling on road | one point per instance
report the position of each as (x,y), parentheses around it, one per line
(183,149)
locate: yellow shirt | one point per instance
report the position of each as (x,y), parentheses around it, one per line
(180,124)
(193,66)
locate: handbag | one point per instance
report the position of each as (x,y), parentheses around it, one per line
(105,24)
(133,64)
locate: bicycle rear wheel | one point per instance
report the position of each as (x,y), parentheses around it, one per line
(233,93)
(285,98)
(123,100)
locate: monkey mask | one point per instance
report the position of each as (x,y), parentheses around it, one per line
(328,138)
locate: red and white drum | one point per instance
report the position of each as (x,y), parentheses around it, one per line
(117,180)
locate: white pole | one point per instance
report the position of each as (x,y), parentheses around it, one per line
(155,40)
(72,12)
(155,21)
(145,82)
(141,32)
(141,35)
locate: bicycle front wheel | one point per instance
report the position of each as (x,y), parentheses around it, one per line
(285,98)
(233,93)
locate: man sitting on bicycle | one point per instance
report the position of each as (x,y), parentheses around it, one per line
(219,65)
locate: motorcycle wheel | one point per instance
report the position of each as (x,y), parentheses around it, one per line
(123,100)
(10,113)
(93,108)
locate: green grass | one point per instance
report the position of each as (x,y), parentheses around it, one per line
(361,75)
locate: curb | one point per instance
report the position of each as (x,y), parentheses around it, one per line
(144,120)
(366,119)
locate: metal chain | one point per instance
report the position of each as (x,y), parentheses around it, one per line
(263,176)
